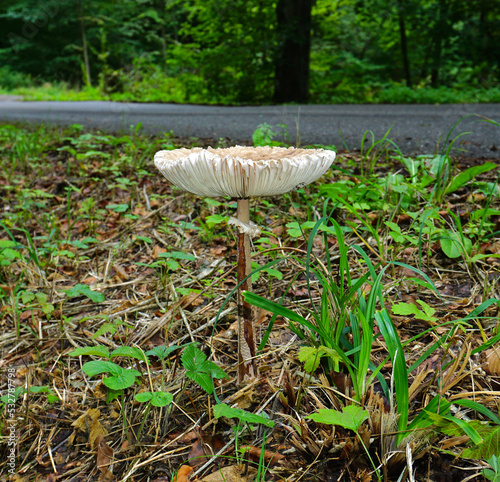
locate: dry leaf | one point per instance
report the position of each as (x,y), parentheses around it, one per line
(270,457)
(191,301)
(157,250)
(104,454)
(84,421)
(205,446)
(183,474)
(89,423)
(96,431)
(120,272)
(234,473)
(106,477)
(492,364)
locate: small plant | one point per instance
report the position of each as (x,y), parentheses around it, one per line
(493,473)
(84,290)
(153,399)
(199,369)
(119,378)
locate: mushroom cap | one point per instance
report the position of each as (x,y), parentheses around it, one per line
(242,172)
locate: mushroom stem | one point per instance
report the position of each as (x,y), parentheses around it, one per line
(246,338)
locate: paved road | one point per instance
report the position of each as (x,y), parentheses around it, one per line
(415,128)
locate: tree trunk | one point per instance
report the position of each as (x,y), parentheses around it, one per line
(293,53)
(86,64)
(440,32)
(404,44)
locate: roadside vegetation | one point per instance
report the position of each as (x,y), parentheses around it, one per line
(377,302)
(165,89)
(252,51)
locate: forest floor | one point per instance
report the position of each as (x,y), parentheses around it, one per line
(118,332)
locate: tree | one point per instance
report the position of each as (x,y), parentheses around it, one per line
(293,30)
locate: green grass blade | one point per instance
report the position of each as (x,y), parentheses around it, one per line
(400,372)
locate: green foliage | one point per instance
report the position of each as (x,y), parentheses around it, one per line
(493,473)
(225,51)
(224,410)
(120,378)
(84,290)
(9,252)
(51,396)
(162,352)
(157,399)
(406,309)
(351,417)
(98,350)
(311,357)
(199,369)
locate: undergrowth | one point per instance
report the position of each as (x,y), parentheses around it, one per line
(377,315)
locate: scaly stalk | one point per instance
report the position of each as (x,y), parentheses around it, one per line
(246,337)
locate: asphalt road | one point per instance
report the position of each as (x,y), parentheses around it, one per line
(416,129)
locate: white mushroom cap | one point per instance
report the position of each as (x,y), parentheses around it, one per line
(242,172)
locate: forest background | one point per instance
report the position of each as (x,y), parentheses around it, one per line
(252,51)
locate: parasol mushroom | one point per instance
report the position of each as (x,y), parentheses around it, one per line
(243,172)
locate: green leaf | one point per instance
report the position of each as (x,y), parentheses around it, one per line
(27,297)
(407,309)
(130,351)
(172,265)
(465,176)
(48,308)
(7,398)
(157,399)
(117,208)
(493,474)
(84,290)
(144,397)
(311,357)
(98,350)
(161,399)
(43,389)
(273,272)
(223,410)
(105,329)
(120,378)
(199,369)
(97,367)
(453,245)
(144,238)
(487,449)
(162,352)
(454,427)
(178,255)
(7,252)
(215,219)
(350,418)
(395,227)
(121,381)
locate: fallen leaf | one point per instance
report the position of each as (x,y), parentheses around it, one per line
(182,474)
(270,457)
(157,250)
(84,421)
(89,423)
(106,477)
(104,454)
(492,362)
(233,473)
(205,446)
(96,431)
(120,272)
